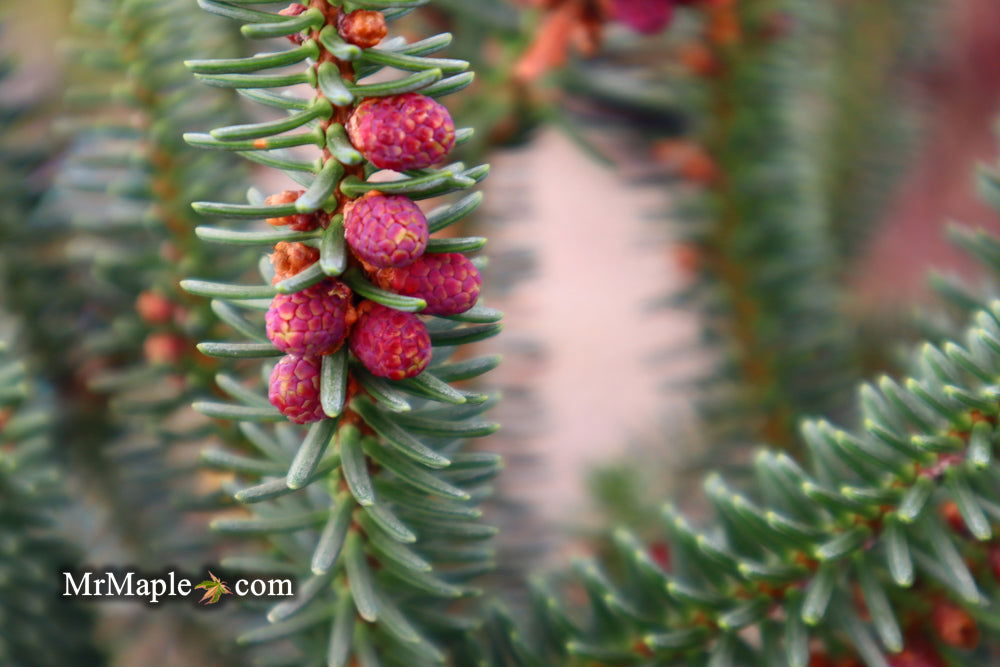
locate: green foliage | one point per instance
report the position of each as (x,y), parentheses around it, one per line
(766,272)
(33,548)
(894,516)
(871,127)
(117,224)
(374,507)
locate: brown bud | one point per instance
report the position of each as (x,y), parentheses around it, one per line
(639,647)
(955,626)
(918,652)
(550,47)
(290,259)
(171,253)
(723,25)
(698,59)
(820,659)
(993,558)
(953,517)
(687,257)
(164,348)
(154,308)
(364,28)
(660,553)
(299,222)
(686,159)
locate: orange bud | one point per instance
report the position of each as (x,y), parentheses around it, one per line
(951,514)
(723,26)
(300,222)
(164,348)
(955,626)
(290,259)
(550,48)
(686,159)
(154,308)
(699,59)
(687,256)
(364,27)
(639,647)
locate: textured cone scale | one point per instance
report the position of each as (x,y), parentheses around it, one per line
(311,322)
(364,27)
(386,231)
(294,389)
(448,282)
(409,131)
(645,16)
(390,343)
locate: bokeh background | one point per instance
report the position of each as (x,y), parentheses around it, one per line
(590,260)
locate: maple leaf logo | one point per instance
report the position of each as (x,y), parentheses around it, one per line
(214,589)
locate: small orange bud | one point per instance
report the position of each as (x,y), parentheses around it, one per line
(686,159)
(639,647)
(955,626)
(164,348)
(951,514)
(171,253)
(364,28)
(299,222)
(688,258)
(723,26)
(154,308)
(698,59)
(290,259)
(550,47)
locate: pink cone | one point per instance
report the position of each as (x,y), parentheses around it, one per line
(390,343)
(294,389)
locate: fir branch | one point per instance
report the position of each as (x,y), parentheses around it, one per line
(881,548)
(760,247)
(363,503)
(35,551)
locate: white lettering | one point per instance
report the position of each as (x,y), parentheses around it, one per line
(282,586)
(119,588)
(83,586)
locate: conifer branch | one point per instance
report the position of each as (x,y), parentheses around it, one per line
(378,492)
